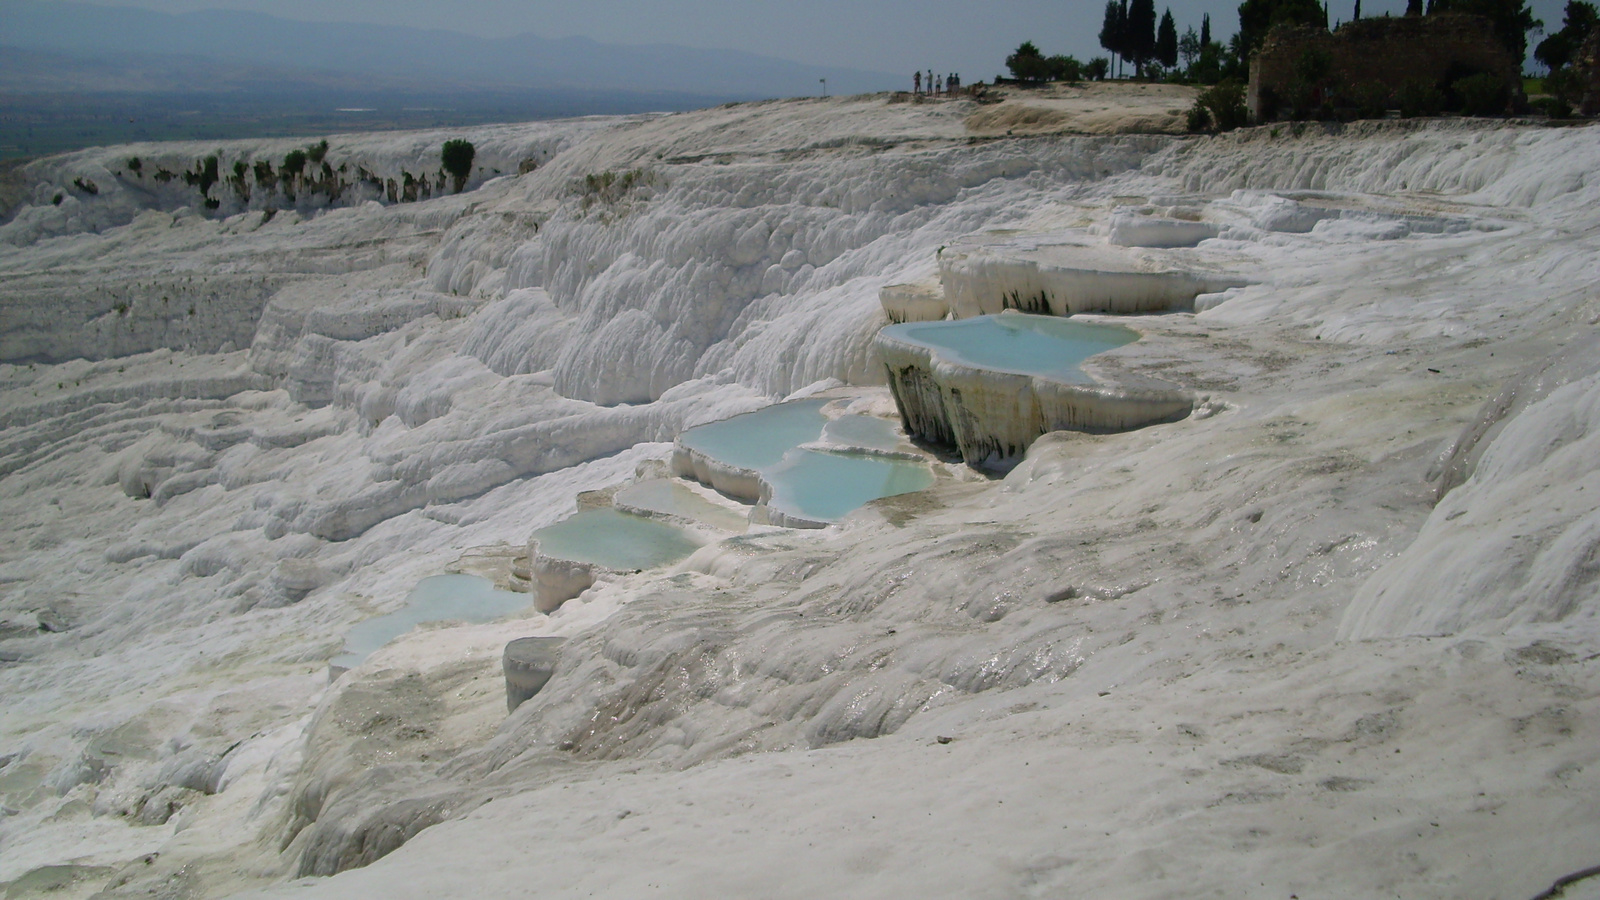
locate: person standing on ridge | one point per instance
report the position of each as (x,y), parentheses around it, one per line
(916,83)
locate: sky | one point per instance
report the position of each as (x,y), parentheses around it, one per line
(972,38)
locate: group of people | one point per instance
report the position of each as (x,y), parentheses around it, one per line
(935,84)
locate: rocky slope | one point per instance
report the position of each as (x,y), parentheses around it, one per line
(1334,633)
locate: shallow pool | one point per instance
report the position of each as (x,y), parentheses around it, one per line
(615,540)
(759,439)
(868,432)
(826,486)
(1049,346)
(812,484)
(437,598)
(672,498)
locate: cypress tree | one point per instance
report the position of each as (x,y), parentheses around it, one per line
(1167,40)
(1358,12)
(1141,33)
(1205,30)
(1124,35)
(1111,28)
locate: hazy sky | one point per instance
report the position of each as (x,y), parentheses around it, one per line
(971,36)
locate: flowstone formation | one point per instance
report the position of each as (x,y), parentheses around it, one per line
(1333,631)
(970,389)
(990,386)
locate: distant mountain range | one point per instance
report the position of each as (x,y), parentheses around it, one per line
(263,49)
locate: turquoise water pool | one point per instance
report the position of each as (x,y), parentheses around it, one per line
(672,498)
(869,432)
(615,540)
(437,598)
(827,486)
(1048,346)
(817,485)
(758,440)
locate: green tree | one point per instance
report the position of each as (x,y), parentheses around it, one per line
(1189,47)
(1065,68)
(293,164)
(1209,65)
(1028,64)
(1167,40)
(1257,17)
(1113,26)
(1096,69)
(1556,50)
(1141,33)
(456,157)
(1205,29)
(1512,20)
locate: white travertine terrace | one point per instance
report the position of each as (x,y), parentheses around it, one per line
(921,301)
(1063,273)
(1251,653)
(992,417)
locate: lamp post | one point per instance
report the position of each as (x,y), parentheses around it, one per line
(824,86)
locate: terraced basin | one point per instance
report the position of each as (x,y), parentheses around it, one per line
(802,467)
(568,556)
(990,385)
(821,487)
(1047,346)
(437,598)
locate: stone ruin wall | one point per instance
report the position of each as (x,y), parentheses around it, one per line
(1390,51)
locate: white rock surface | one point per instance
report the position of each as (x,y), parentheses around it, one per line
(1247,651)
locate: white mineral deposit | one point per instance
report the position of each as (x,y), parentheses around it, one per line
(1333,633)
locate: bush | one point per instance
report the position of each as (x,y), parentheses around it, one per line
(134,164)
(1418,98)
(1199,118)
(209,174)
(293,164)
(1065,68)
(317,151)
(1370,99)
(456,157)
(1028,64)
(1554,107)
(1224,105)
(1566,84)
(610,188)
(1308,87)
(1481,95)
(1097,69)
